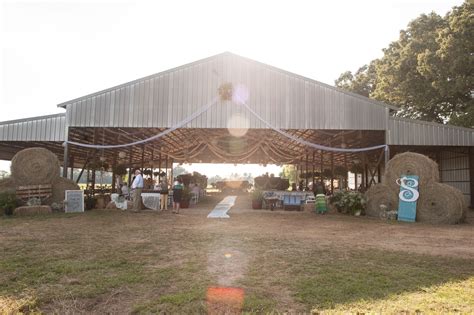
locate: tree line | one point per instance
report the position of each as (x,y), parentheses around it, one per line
(428,72)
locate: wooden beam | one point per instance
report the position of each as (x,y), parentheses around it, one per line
(82,171)
(332,173)
(471,173)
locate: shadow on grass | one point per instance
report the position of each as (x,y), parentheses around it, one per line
(323,279)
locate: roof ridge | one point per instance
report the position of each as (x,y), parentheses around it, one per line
(31,118)
(228,53)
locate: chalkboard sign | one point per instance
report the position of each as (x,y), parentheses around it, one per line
(74,201)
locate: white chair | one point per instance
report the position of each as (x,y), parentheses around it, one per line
(194,198)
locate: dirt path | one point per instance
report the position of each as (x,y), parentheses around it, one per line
(343,231)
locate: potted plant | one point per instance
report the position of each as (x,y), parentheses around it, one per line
(257,199)
(8,202)
(351,202)
(147,172)
(185,198)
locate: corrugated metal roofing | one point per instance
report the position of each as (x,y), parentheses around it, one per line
(43,128)
(415,132)
(284,99)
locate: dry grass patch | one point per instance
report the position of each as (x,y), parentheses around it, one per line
(120,262)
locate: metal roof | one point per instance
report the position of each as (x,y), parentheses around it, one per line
(42,128)
(403,131)
(284,99)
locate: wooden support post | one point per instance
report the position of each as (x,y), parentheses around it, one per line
(379,174)
(171,172)
(346,177)
(166,169)
(332,173)
(114,163)
(96,136)
(322,170)
(71,168)
(143,158)
(306,175)
(313,168)
(159,165)
(130,169)
(65,159)
(366,173)
(153,162)
(66,153)
(471,174)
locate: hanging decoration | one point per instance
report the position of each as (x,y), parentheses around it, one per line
(226,92)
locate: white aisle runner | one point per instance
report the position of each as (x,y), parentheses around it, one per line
(220,211)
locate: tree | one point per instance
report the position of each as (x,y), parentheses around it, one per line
(363,82)
(4,174)
(289,172)
(179,170)
(428,72)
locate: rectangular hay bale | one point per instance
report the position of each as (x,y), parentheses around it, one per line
(32,210)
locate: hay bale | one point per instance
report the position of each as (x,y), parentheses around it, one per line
(35,166)
(440,204)
(410,163)
(7,185)
(60,185)
(377,195)
(32,210)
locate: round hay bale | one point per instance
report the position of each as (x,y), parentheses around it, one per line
(7,185)
(440,204)
(410,163)
(60,185)
(377,195)
(35,166)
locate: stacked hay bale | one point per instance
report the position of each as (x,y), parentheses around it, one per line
(38,166)
(438,203)
(35,166)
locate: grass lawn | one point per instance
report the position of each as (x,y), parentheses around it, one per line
(120,262)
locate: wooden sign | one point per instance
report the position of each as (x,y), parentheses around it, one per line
(74,201)
(408,196)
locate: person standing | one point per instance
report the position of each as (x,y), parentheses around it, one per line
(177,195)
(164,194)
(137,187)
(320,203)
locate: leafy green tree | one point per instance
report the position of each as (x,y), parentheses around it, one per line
(363,82)
(428,72)
(289,172)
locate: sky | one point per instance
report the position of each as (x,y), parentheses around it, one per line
(54,51)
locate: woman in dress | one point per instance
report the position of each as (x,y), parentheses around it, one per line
(320,202)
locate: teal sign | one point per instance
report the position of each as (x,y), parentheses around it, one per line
(408,196)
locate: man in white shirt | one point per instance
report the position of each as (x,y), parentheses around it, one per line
(137,187)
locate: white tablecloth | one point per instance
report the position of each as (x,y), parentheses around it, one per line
(120,201)
(151,200)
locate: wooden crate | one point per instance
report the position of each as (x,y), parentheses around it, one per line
(34,191)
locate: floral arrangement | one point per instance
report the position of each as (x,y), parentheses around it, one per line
(349,202)
(225,91)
